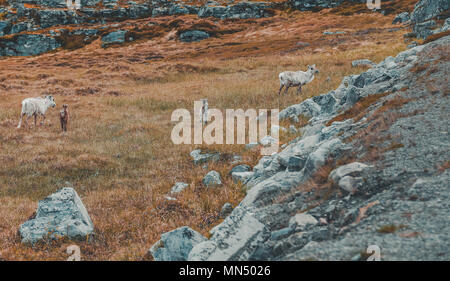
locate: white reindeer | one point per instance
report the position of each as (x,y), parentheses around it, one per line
(35,107)
(296,78)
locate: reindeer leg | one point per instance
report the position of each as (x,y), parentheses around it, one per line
(20,121)
(286,89)
(299,90)
(35,119)
(43,120)
(281,87)
(26,121)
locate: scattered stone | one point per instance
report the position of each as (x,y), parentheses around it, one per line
(61,214)
(227,208)
(115,37)
(354,168)
(301,221)
(240,168)
(350,184)
(176,244)
(178,187)
(200,158)
(168,198)
(193,35)
(212,179)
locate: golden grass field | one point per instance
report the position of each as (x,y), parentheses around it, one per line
(117,152)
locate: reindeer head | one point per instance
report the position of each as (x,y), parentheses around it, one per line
(313,69)
(51,100)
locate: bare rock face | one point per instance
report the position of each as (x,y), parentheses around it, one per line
(176,244)
(428,9)
(61,214)
(425,14)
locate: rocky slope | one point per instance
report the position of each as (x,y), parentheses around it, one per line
(32,27)
(371,168)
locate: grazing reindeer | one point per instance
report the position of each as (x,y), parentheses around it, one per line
(35,107)
(296,78)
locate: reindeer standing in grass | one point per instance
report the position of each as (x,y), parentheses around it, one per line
(296,78)
(35,107)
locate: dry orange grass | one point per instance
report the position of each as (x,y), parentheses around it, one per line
(118,154)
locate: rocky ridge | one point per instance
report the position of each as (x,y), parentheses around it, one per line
(376,175)
(58,26)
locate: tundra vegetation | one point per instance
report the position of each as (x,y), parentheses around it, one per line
(118,154)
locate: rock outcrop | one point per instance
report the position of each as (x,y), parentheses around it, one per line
(271,222)
(61,214)
(425,14)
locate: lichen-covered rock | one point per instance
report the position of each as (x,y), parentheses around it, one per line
(212,179)
(199,158)
(234,239)
(176,244)
(115,37)
(27,45)
(193,35)
(61,214)
(428,9)
(240,168)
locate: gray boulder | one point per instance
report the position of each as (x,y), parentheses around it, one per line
(61,214)
(212,179)
(301,221)
(199,158)
(115,37)
(27,45)
(350,184)
(352,169)
(240,168)
(236,238)
(193,35)
(227,208)
(176,244)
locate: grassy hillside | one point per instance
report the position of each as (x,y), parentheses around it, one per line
(118,154)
